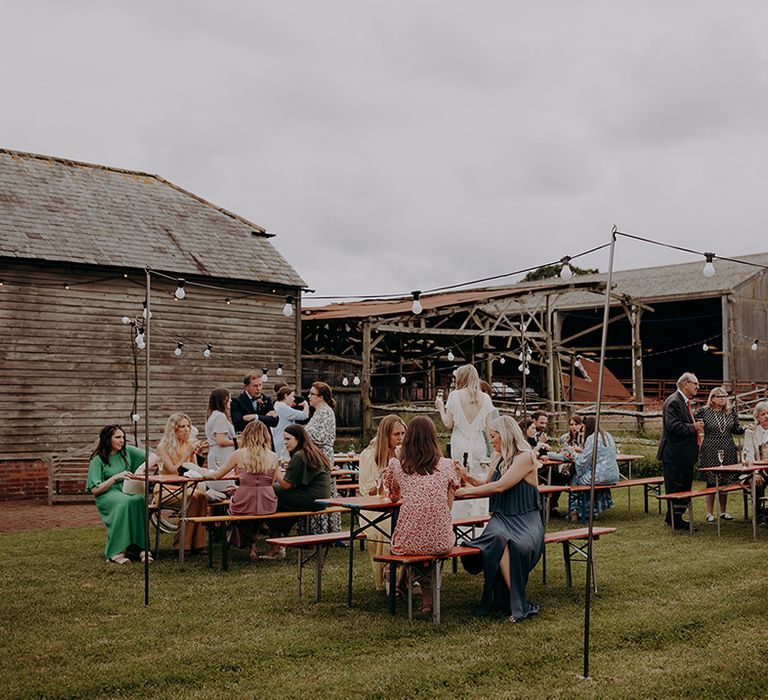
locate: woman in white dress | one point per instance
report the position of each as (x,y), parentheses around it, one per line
(468,414)
(220,434)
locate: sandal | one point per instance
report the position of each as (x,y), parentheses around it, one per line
(119,559)
(279,554)
(149,556)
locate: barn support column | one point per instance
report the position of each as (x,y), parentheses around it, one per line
(365,385)
(550,354)
(635,314)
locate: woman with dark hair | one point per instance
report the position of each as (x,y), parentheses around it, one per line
(513,541)
(528,427)
(322,429)
(606,471)
(426,481)
(575,435)
(220,434)
(307,477)
(112,463)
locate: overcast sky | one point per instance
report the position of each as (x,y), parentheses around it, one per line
(409,144)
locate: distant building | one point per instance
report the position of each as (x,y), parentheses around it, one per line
(75,239)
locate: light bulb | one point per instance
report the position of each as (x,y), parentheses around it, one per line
(144,313)
(264,375)
(709,268)
(416,307)
(135,417)
(402,380)
(356,381)
(279,370)
(565,271)
(288,308)
(180,293)
(125,320)
(705,347)
(451,356)
(345,382)
(502,360)
(754,346)
(177,351)
(207,351)
(141,345)
(638,362)
(520,367)
(527,370)
(139,339)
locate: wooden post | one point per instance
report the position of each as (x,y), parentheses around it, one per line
(550,354)
(365,385)
(635,314)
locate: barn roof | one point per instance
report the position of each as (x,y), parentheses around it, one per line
(649,284)
(61,210)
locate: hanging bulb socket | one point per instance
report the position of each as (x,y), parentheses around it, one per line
(566,272)
(705,347)
(147,315)
(638,362)
(135,417)
(125,320)
(208,350)
(402,380)
(416,307)
(451,356)
(709,267)
(356,381)
(754,345)
(180,293)
(264,374)
(502,360)
(279,370)
(344,381)
(288,307)
(179,346)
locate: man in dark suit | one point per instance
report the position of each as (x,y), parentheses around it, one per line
(252,405)
(679,446)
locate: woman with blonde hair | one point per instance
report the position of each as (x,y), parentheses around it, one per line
(467,414)
(720,425)
(176,452)
(258,467)
(513,541)
(374,461)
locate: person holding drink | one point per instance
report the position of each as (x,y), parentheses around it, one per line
(717,447)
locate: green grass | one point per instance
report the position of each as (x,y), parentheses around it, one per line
(675,617)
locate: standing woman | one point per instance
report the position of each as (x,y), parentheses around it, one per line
(175,450)
(374,460)
(468,415)
(322,429)
(287,415)
(426,481)
(220,434)
(112,462)
(513,541)
(720,425)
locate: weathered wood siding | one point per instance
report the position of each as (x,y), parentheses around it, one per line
(66,359)
(749,317)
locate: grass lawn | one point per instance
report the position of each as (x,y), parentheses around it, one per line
(675,617)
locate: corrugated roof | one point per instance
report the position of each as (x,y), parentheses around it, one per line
(66,211)
(401,306)
(648,284)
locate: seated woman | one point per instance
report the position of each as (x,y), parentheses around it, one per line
(112,462)
(513,541)
(258,467)
(756,450)
(426,481)
(373,465)
(558,475)
(176,453)
(574,437)
(307,477)
(606,472)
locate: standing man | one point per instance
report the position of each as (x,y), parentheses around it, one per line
(252,405)
(679,446)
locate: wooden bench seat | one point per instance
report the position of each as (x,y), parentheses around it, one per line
(68,468)
(690,495)
(225,522)
(650,484)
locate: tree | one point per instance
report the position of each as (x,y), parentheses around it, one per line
(546,272)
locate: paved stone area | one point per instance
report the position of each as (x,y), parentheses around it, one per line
(16,516)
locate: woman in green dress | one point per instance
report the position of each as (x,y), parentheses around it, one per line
(111,464)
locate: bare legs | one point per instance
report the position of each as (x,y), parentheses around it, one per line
(711,503)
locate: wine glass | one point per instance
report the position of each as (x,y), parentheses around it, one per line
(720,456)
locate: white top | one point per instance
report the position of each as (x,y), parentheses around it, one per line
(286,416)
(218,423)
(467,436)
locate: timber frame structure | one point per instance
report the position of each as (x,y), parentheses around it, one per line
(400,355)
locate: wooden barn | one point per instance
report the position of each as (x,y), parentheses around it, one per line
(75,239)
(664,320)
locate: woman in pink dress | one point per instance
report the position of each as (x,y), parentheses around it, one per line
(258,467)
(425,481)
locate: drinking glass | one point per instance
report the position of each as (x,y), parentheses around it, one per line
(720,456)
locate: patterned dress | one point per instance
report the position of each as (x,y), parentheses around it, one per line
(424,523)
(606,472)
(719,429)
(322,429)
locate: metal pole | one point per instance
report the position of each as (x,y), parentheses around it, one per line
(147,339)
(598,406)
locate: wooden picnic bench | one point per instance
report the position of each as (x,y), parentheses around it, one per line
(689,496)
(224,524)
(650,484)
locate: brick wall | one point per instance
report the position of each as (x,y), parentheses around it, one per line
(23,479)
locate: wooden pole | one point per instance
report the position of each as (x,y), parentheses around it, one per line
(637,365)
(550,354)
(365,385)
